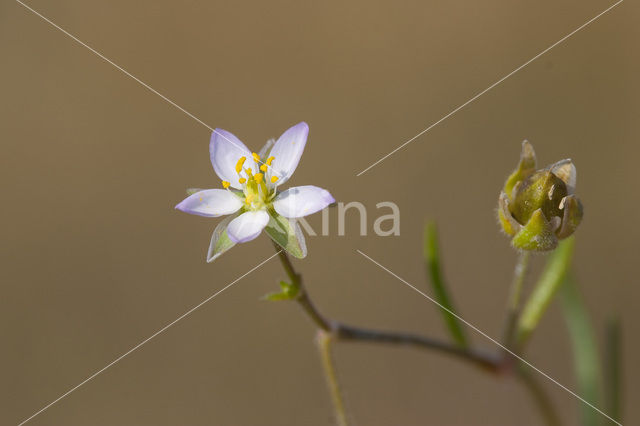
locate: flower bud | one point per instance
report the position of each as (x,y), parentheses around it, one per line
(537,207)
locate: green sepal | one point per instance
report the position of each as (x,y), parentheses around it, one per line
(287,292)
(526,167)
(572,216)
(287,234)
(542,190)
(220,241)
(537,234)
(191,191)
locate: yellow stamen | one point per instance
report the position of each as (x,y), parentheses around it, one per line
(225,184)
(248,170)
(270,160)
(255,157)
(240,163)
(274,179)
(264,167)
(258,177)
(242,180)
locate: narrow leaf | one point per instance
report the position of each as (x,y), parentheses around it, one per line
(613,368)
(432,263)
(585,351)
(550,280)
(288,292)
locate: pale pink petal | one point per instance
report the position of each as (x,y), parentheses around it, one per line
(247,226)
(211,203)
(287,152)
(301,201)
(225,150)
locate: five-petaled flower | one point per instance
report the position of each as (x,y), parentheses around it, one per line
(251,195)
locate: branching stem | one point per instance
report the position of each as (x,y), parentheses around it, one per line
(333,331)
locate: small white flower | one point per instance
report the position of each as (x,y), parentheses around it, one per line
(251,195)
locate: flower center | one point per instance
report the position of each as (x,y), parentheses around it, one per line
(257,194)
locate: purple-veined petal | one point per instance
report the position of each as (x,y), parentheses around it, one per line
(225,150)
(211,203)
(287,152)
(247,226)
(301,201)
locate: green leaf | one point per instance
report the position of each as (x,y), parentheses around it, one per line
(585,351)
(613,368)
(220,241)
(287,292)
(552,277)
(287,234)
(432,263)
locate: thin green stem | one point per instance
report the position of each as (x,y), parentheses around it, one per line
(485,360)
(303,298)
(333,331)
(345,332)
(539,396)
(515,294)
(324,341)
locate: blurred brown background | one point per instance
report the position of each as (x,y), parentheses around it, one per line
(94,258)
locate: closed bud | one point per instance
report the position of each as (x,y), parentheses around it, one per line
(538,207)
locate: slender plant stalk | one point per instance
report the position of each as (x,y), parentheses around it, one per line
(324,341)
(345,332)
(485,360)
(515,294)
(613,367)
(333,331)
(539,396)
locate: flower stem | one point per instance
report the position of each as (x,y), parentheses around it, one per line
(513,305)
(303,298)
(324,341)
(333,331)
(485,360)
(345,332)
(539,396)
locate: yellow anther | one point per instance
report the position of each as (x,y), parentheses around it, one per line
(258,177)
(270,160)
(225,184)
(255,157)
(242,180)
(274,179)
(264,167)
(240,163)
